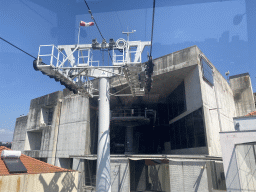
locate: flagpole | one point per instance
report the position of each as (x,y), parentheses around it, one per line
(78,34)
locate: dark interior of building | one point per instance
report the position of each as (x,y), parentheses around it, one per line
(157,136)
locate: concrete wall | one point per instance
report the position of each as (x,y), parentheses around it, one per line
(36,105)
(37,125)
(243,93)
(45,182)
(218,107)
(120,175)
(246,166)
(78,165)
(171,62)
(232,166)
(74,127)
(175,61)
(159,177)
(245,123)
(19,135)
(188,176)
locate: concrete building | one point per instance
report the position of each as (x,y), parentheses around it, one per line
(239,158)
(36,176)
(243,93)
(167,140)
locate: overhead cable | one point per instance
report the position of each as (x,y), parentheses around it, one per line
(153,17)
(89,10)
(93,18)
(17,48)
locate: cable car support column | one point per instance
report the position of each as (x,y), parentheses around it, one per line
(103,182)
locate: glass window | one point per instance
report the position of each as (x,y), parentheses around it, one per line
(177,101)
(188,132)
(90,172)
(207,71)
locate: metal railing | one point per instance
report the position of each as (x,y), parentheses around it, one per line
(52,54)
(135,112)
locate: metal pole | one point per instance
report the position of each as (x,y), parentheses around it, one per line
(78,35)
(103,182)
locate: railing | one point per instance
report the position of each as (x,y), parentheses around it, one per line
(137,112)
(118,59)
(57,57)
(51,55)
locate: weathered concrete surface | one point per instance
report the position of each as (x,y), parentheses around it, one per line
(35,117)
(19,134)
(218,106)
(188,176)
(45,182)
(42,126)
(243,93)
(74,127)
(169,70)
(120,175)
(78,165)
(93,126)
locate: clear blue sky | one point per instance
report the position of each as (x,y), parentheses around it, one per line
(223,29)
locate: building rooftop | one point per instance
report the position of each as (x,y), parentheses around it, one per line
(32,165)
(251,114)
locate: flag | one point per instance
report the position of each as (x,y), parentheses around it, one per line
(84,24)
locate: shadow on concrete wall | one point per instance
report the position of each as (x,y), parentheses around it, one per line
(232,175)
(68,182)
(198,180)
(154,176)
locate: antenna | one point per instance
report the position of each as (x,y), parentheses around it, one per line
(227,74)
(128,33)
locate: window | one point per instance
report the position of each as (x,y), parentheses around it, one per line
(218,176)
(207,71)
(90,172)
(188,132)
(177,101)
(34,139)
(66,163)
(46,117)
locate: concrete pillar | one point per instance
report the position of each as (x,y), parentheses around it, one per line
(103,182)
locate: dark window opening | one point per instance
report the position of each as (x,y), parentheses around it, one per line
(117,140)
(188,132)
(66,163)
(218,176)
(46,116)
(176,101)
(147,139)
(207,71)
(50,114)
(42,159)
(90,172)
(34,139)
(149,177)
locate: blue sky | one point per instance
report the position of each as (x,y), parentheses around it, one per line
(223,29)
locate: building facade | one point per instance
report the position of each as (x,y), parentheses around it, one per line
(167,140)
